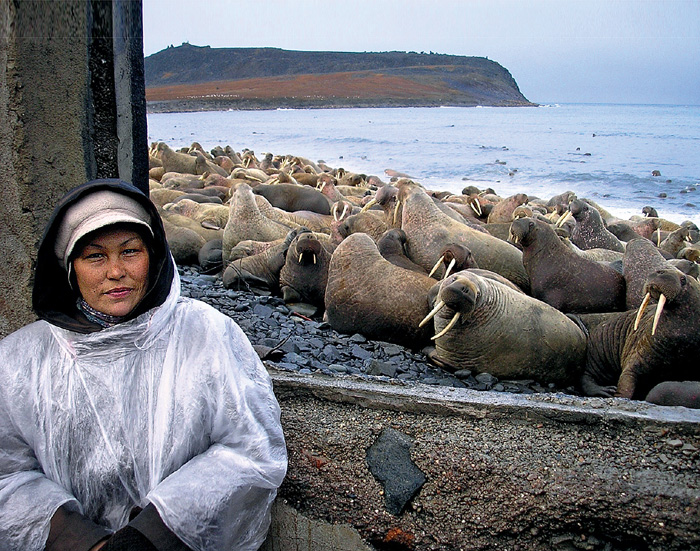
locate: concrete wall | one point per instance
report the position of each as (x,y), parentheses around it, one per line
(72,108)
(501,471)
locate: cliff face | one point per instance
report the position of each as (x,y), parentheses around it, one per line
(192,77)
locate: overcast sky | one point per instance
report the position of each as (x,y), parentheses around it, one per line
(558,51)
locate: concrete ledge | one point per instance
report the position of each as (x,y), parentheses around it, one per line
(503,470)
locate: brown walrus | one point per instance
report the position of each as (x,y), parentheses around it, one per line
(392,246)
(590,231)
(304,275)
(635,350)
(368,294)
(429,230)
(562,278)
(641,259)
(260,270)
(247,222)
(485,326)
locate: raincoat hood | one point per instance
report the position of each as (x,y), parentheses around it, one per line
(53,298)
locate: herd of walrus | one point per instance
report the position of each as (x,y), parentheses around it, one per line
(556,290)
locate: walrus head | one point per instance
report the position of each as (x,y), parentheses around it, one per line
(459,294)
(306,248)
(664,286)
(522,231)
(456,257)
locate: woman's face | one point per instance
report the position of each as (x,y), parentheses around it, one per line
(112,271)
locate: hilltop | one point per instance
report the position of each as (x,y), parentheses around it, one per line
(192,78)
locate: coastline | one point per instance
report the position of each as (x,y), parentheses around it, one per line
(192,105)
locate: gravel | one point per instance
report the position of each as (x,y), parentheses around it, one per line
(295,338)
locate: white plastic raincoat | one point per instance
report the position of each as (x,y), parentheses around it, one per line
(173,408)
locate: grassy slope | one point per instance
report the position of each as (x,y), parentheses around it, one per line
(191,77)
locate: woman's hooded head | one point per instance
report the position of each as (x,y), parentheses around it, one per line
(93,206)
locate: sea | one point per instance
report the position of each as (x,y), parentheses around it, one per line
(623,157)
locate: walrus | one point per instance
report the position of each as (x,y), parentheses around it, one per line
(187,222)
(503,210)
(453,258)
(363,222)
(560,277)
(589,231)
(368,294)
(392,246)
(209,258)
(675,241)
(174,161)
(636,350)
(184,243)
(429,230)
(247,222)
(261,270)
(304,275)
(163,196)
(386,197)
(184,182)
(676,393)
(209,215)
(641,259)
(485,326)
(291,197)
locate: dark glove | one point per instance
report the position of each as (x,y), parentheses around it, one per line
(128,539)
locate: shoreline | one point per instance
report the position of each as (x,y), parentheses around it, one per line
(201,105)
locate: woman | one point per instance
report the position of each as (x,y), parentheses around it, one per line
(130,418)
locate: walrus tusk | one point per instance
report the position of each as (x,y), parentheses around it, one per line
(314,259)
(657,315)
(642,307)
(345,209)
(432,313)
(564,219)
(437,264)
(369,205)
(300,255)
(396,210)
(449,267)
(476,207)
(447,328)
(511,236)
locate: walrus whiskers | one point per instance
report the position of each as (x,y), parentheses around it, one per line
(432,313)
(437,265)
(642,307)
(447,328)
(657,314)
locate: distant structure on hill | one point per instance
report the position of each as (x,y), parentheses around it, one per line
(192,78)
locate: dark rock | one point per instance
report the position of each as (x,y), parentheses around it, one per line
(389,460)
(377,367)
(359,352)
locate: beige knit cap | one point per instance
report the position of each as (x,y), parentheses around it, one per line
(95,211)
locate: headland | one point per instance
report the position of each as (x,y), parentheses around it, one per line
(200,78)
